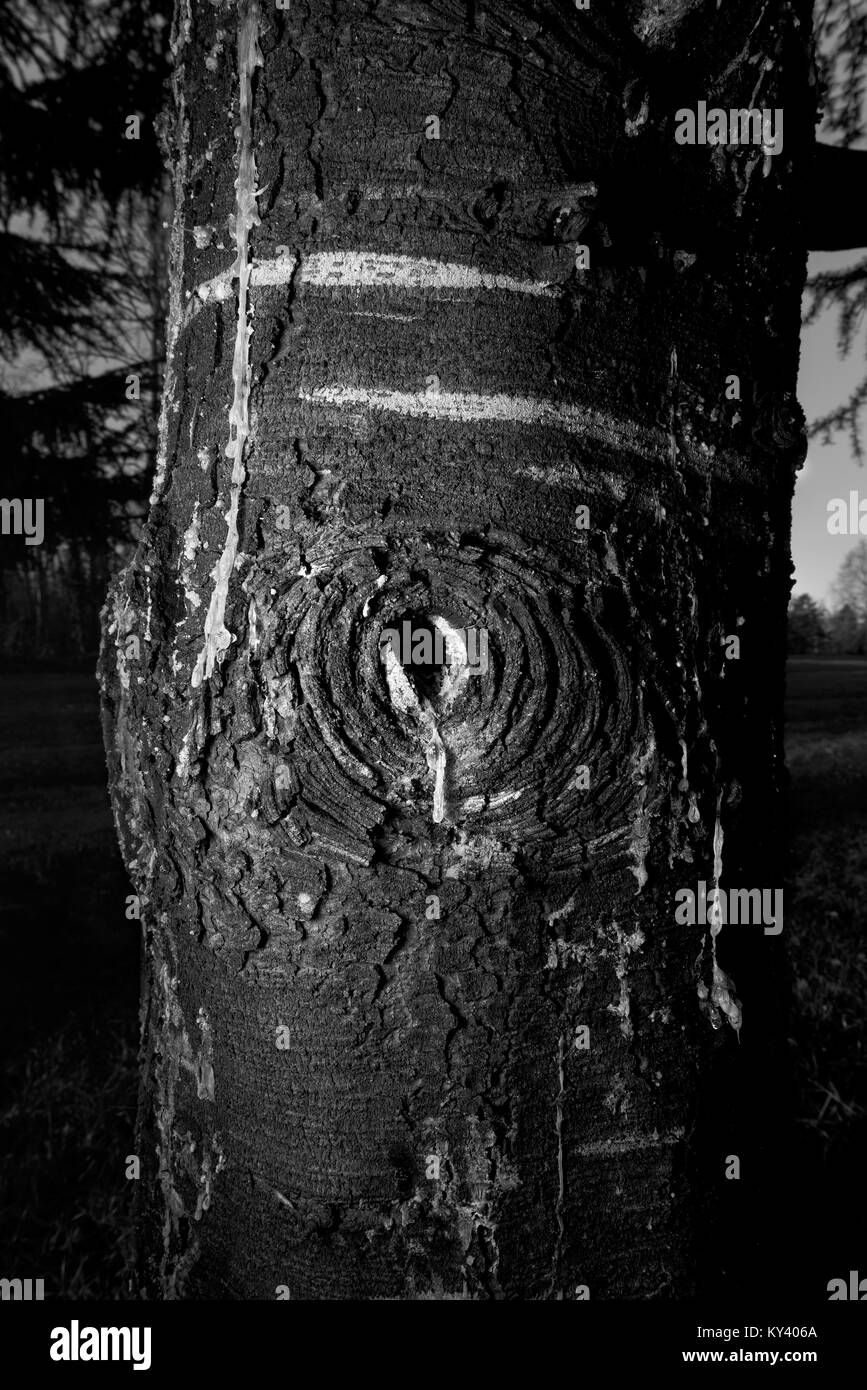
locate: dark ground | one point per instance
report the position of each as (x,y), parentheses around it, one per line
(69,986)
(826,750)
(68,995)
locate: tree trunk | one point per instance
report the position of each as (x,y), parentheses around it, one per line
(418,1018)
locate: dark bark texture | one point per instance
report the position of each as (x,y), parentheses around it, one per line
(389,405)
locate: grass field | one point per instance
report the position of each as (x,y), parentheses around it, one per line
(826,751)
(68,993)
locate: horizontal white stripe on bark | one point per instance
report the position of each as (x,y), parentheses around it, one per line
(369,269)
(371,314)
(603,1148)
(467,406)
(363,269)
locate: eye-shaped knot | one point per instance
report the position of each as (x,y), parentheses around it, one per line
(427,664)
(472,682)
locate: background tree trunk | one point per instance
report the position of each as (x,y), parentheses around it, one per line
(391,407)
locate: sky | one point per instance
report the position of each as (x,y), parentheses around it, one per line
(825,380)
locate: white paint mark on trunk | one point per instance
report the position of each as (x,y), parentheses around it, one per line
(182,766)
(602,1148)
(722,993)
(723,996)
(714,917)
(370,270)
(561,1172)
(457,663)
(149,610)
(216,289)
(366,609)
(366,269)
(275,270)
(252,626)
(396,318)
(404,699)
(401,692)
(465,406)
(190,548)
(436,761)
(217,637)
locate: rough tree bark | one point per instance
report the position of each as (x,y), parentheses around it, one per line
(390,405)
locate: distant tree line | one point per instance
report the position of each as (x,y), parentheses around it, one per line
(83,209)
(839,629)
